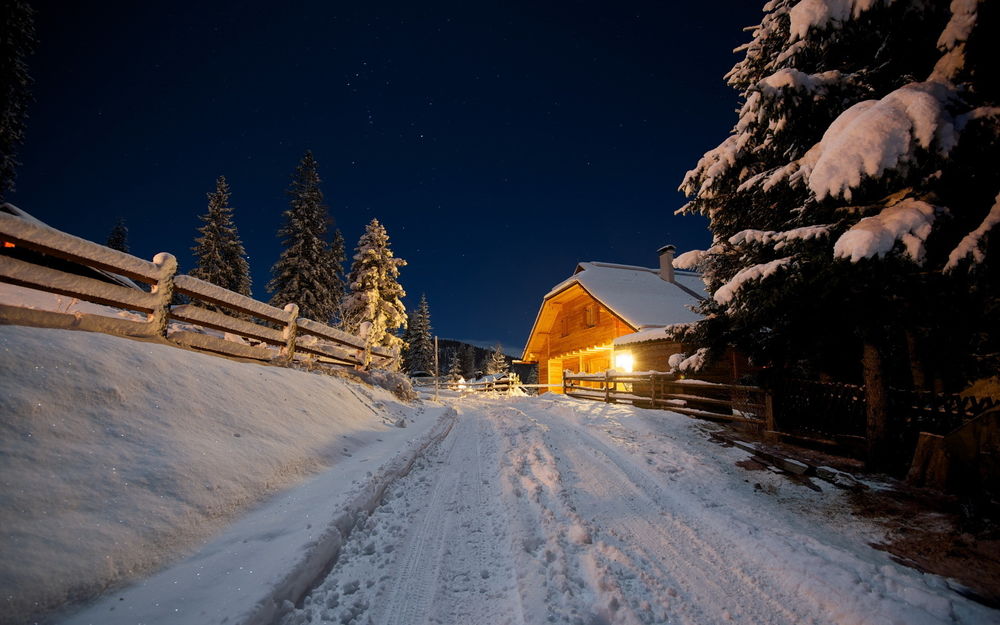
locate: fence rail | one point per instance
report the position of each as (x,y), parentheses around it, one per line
(269,327)
(654,389)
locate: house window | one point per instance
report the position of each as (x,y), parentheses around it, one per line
(590,316)
(565,326)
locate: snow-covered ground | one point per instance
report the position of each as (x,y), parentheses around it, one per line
(553,510)
(118,456)
(256,484)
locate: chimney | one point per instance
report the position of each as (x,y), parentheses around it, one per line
(667,262)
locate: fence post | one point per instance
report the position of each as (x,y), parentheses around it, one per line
(565,381)
(607,386)
(652,390)
(290,332)
(166,265)
(769,424)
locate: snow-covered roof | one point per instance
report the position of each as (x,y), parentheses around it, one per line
(638,294)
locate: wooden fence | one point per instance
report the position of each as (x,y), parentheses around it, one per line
(720,402)
(834,414)
(271,334)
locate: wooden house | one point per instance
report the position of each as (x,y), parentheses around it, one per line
(581,317)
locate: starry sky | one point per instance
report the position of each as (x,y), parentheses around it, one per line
(499,142)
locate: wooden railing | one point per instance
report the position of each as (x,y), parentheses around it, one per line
(720,402)
(279,334)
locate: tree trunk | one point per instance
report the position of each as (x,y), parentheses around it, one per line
(916,367)
(877,407)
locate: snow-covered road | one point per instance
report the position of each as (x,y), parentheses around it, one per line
(551,510)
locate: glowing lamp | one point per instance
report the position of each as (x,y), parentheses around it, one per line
(624,361)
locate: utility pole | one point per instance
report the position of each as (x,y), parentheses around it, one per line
(437,371)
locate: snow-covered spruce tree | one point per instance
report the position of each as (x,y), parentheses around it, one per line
(219,254)
(851,206)
(418,354)
(17,43)
(118,238)
(454,365)
(308,271)
(497,364)
(374,306)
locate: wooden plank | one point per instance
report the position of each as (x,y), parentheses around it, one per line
(225,323)
(41,238)
(213,294)
(320,348)
(698,398)
(325,332)
(34,318)
(34,276)
(221,346)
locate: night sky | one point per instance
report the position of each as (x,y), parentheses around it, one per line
(499,143)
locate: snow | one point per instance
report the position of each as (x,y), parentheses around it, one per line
(555,510)
(790,77)
(953,38)
(875,136)
(694,362)
(118,456)
(822,14)
(909,221)
(778,239)
(692,260)
(480,510)
(638,294)
(728,291)
(969,245)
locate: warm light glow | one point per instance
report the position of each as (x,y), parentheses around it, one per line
(8,244)
(624,361)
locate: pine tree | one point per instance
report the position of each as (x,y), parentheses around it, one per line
(374,306)
(307,272)
(454,365)
(853,201)
(219,254)
(118,238)
(17,43)
(337,286)
(418,355)
(469,368)
(497,364)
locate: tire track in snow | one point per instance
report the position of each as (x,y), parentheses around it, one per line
(717,588)
(409,601)
(436,551)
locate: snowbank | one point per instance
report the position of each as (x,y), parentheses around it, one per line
(118,455)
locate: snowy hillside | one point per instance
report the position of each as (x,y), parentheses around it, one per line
(117,456)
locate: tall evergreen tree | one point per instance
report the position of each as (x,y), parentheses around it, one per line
(118,238)
(469,368)
(17,43)
(497,364)
(454,365)
(853,201)
(337,286)
(419,351)
(307,272)
(219,254)
(374,306)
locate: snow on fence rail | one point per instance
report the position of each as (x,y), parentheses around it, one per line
(245,317)
(696,398)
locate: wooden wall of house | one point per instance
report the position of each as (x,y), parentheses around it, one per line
(655,356)
(651,355)
(571,330)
